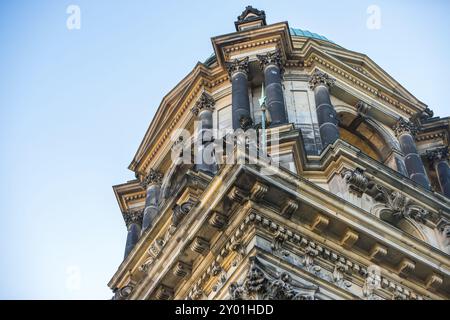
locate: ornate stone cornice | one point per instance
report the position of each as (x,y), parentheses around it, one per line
(271,58)
(133,216)
(404,127)
(205,102)
(153,177)
(438,155)
(237,65)
(320,78)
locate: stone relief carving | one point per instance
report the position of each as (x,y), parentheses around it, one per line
(273,58)
(356,180)
(123,293)
(404,127)
(205,102)
(394,204)
(320,78)
(264,284)
(133,216)
(180,211)
(153,177)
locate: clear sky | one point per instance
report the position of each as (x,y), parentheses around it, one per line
(75,104)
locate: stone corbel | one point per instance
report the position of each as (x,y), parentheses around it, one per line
(405,267)
(164,293)
(200,245)
(320,223)
(289,207)
(349,238)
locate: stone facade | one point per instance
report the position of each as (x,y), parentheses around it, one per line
(351,200)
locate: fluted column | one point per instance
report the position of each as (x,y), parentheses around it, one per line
(326,115)
(205,158)
(272,68)
(133,221)
(439,160)
(238,71)
(152,184)
(405,131)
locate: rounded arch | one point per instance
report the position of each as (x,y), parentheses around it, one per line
(366,134)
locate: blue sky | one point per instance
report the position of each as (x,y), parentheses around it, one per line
(75,104)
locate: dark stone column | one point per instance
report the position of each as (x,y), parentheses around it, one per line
(326,115)
(133,221)
(238,71)
(271,65)
(205,158)
(439,160)
(405,131)
(152,184)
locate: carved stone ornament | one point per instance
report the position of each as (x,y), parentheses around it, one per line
(245,123)
(356,180)
(153,177)
(250,14)
(404,127)
(397,204)
(271,58)
(205,102)
(237,65)
(180,211)
(437,155)
(320,78)
(264,284)
(133,216)
(123,293)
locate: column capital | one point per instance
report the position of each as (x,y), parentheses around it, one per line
(205,102)
(437,155)
(153,177)
(133,216)
(270,58)
(237,65)
(318,77)
(404,126)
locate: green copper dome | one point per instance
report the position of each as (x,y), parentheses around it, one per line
(293,31)
(308,34)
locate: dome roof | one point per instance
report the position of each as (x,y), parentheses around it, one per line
(294,32)
(308,34)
